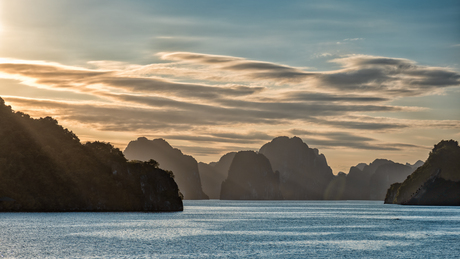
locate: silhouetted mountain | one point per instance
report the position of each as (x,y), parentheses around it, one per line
(436,182)
(223,165)
(384,177)
(44,167)
(304,173)
(251,177)
(336,188)
(213,174)
(370,182)
(356,184)
(361,166)
(416,165)
(210,180)
(185,167)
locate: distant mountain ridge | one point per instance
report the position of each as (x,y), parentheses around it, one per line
(370,182)
(213,174)
(305,175)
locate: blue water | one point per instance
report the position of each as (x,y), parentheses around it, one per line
(235,229)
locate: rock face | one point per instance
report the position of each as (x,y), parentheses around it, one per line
(304,173)
(370,182)
(250,177)
(416,165)
(185,167)
(336,187)
(44,167)
(437,182)
(356,185)
(213,174)
(384,177)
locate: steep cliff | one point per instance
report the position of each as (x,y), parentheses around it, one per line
(185,167)
(357,184)
(304,173)
(370,182)
(437,182)
(213,174)
(336,188)
(385,176)
(250,177)
(44,167)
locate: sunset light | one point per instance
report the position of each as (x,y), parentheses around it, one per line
(272,129)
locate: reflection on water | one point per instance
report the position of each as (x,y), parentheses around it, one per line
(289,229)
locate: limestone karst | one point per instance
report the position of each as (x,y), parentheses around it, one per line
(251,177)
(44,167)
(436,182)
(185,167)
(304,172)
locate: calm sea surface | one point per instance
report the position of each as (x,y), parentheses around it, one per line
(235,229)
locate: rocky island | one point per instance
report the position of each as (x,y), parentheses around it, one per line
(44,167)
(251,177)
(185,167)
(304,172)
(437,182)
(213,174)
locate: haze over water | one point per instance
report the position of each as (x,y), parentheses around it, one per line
(234,229)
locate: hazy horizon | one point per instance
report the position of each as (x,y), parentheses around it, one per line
(358,80)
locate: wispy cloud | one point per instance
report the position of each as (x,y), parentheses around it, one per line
(360,74)
(201,98)
(348,140)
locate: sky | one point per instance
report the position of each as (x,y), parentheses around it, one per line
(358,80)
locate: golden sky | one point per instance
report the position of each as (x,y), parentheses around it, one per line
(212,78)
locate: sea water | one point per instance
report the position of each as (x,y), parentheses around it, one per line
(239,229)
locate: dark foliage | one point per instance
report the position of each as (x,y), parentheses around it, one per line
(437,182)
(44,167)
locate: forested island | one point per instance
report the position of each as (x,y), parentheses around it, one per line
(437,182)
(44,167)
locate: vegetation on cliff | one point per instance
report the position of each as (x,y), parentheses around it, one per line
(437,182)
(44,167)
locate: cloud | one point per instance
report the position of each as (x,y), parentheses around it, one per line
(198,57)
(386,76)
(323,97)
(162,86)
(83,80)
(212,139)
(360,125)
(348,140)
(249,69)
(199,98)
(353,39)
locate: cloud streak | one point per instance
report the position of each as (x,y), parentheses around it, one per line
(199,98)
(360,73)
